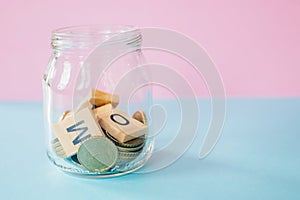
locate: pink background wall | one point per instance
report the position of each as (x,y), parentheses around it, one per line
(255,43)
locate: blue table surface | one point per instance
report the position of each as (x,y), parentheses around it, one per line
(257,157)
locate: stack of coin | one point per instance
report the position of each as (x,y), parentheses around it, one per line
(58,149)
(131,149)
(128,150)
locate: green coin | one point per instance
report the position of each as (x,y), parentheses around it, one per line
(97,154)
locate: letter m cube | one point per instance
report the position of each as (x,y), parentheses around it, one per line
(75,129)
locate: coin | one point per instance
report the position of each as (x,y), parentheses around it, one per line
(128,155)
(55,143)
(140,116)
(58,149)
(97,154)
(61,153)
(131,149)
(129,144)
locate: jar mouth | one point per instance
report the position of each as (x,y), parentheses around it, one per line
(87,37)
(88,30)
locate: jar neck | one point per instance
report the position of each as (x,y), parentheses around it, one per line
(85,38)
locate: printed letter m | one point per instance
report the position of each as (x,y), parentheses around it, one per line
(79,138)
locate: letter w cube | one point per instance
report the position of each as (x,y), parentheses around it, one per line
(75,129)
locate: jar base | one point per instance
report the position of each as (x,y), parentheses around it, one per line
(119,170)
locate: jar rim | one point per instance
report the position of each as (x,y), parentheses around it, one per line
(98,29)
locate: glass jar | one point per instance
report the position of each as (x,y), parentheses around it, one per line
(93,128)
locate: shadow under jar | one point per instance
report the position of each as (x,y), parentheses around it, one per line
(96,101)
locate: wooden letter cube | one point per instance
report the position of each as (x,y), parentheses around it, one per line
(85,104)
(76,128)
(121,126)
(100,98)
(103,111)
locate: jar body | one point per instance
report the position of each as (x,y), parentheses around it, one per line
(69,84)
